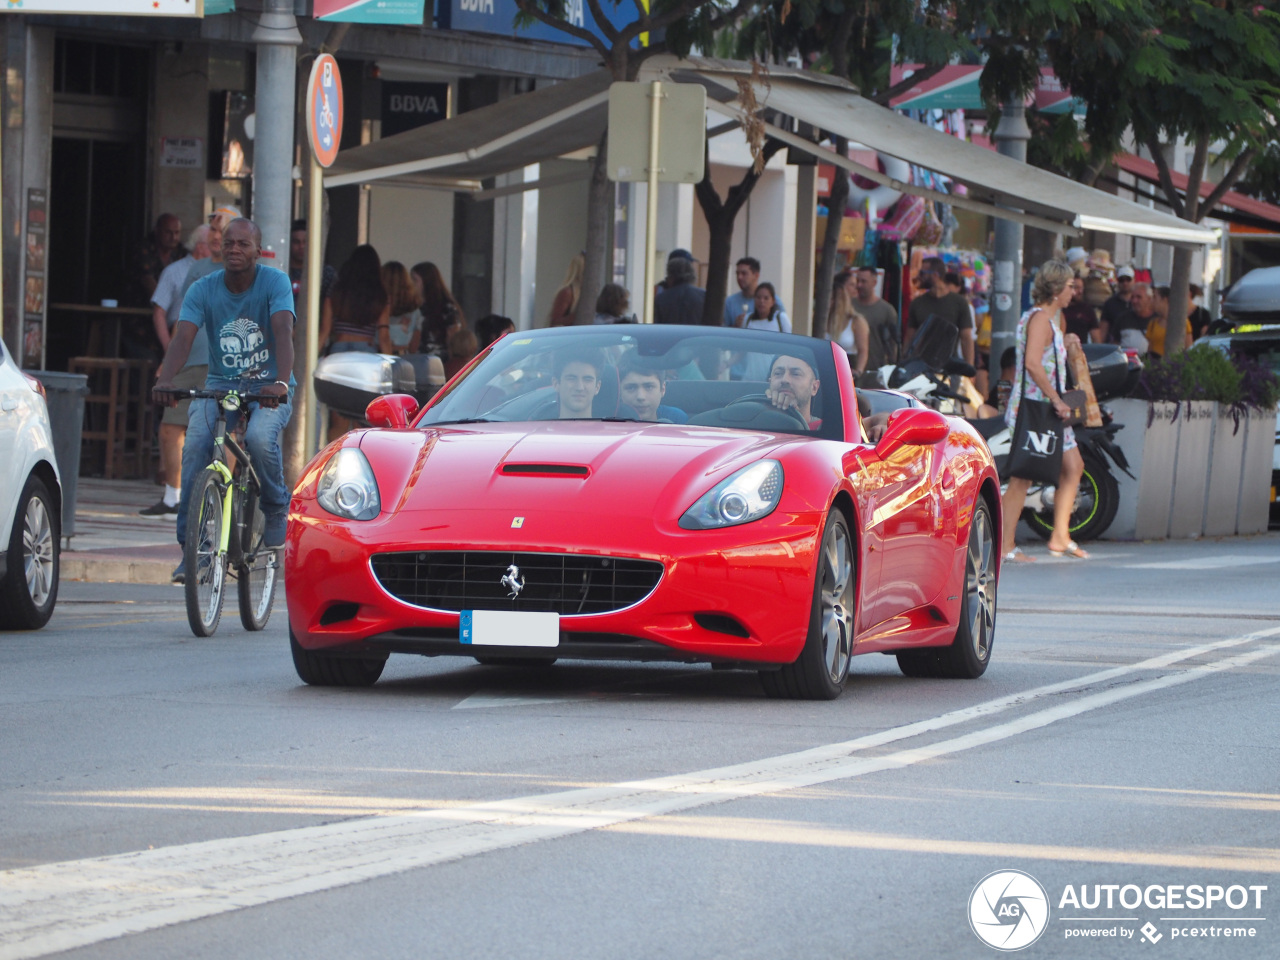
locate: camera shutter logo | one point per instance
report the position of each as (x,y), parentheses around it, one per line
(1008,910)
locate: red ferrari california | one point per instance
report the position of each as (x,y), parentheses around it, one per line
(627,492)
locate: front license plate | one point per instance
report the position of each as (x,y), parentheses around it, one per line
(509,628)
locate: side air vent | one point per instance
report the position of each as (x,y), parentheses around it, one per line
(545,470)
(338,613)
(721,623)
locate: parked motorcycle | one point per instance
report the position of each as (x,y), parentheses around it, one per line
(932,375)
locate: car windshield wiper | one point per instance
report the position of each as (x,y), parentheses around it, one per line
(619,419)
(450,423)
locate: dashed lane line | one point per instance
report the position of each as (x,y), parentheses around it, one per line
(61,906)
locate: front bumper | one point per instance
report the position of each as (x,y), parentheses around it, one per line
(755,579)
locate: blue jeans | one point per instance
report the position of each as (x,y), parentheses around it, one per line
(262,438)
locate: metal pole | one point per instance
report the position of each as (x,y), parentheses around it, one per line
(315,224)
(276,36)
(1011,138)
(651,220)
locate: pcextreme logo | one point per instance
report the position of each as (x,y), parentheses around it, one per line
(1009,910)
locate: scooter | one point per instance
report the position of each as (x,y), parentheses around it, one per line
(929,373)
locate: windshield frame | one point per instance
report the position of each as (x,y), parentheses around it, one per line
(667,341)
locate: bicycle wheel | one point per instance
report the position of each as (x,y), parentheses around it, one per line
(206,563)
(256,579)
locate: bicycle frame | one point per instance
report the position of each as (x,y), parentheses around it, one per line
(224,443)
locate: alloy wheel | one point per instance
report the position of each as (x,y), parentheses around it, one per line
(37,551)
(980,584)
(837,604)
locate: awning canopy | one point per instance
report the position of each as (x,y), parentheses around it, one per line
(505,136)
(570,116)
(992,181)
(1255,212)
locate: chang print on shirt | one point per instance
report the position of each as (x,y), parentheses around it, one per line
(243,345)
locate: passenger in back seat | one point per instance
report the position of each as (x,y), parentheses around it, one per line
(643,385)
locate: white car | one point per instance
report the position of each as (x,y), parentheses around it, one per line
(30,502)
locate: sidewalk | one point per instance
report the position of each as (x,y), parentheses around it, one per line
(113,544)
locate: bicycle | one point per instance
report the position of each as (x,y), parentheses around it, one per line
(225,527)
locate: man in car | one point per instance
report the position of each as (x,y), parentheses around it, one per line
(793,383)
(576,383)
(643,386)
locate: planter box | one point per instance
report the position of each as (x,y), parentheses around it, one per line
(1191,468)
(1155,482)
(1200,474)
(1222,499)
(1255,472)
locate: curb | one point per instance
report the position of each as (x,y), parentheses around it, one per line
(103,570)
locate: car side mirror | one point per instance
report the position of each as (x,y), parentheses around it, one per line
(913,427)
(394,410)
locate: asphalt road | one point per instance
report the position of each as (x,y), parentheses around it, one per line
(167,797)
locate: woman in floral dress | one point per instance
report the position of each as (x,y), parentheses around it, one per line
(1042,356)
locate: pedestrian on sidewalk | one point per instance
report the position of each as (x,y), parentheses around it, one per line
(737,305)
(1040,372)
(846,326)
(884,340)
(681,299)
(166,307)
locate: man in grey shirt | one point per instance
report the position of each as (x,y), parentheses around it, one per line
(884,343)
(166,305)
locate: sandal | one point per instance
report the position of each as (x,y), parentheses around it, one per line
(1072,550)
(1017,556)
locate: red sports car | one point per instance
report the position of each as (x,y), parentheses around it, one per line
(696,494)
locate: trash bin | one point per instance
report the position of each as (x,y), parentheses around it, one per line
(65,393)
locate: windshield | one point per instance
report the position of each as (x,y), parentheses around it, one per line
(703,376)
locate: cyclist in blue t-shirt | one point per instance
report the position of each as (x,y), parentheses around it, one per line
(246,313)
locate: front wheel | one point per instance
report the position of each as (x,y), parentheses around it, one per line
(1097,501)
(256,582)
(968,655)
(29,590)
(320,670)
(819,673)
(203,556)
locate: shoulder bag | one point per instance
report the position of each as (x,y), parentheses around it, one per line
(1036,451)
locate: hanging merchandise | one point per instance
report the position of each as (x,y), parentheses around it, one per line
(905,219)
(862,190)
(930,231)
(867,256)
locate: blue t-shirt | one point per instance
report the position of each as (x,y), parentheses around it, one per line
(237,327)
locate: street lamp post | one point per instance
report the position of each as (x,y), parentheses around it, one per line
(1011,138)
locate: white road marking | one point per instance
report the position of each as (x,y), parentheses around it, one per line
(61,906)
(1206,563)
(481,699)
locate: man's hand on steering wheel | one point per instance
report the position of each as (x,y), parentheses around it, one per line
(785,401)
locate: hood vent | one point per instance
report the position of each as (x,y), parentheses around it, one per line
(545,470)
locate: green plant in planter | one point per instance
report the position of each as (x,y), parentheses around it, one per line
(1238,382)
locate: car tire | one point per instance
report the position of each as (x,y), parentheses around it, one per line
(29,589)
(967,656)
(821,670)
(319,670)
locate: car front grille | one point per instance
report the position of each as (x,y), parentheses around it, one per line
(562,583)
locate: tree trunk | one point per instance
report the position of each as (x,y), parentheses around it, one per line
(600,204)
(719,249)
(830,240)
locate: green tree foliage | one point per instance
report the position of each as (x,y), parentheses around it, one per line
(661,26)
(1207,71)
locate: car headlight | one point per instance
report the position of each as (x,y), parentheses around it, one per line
(347,486)
(751,493)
